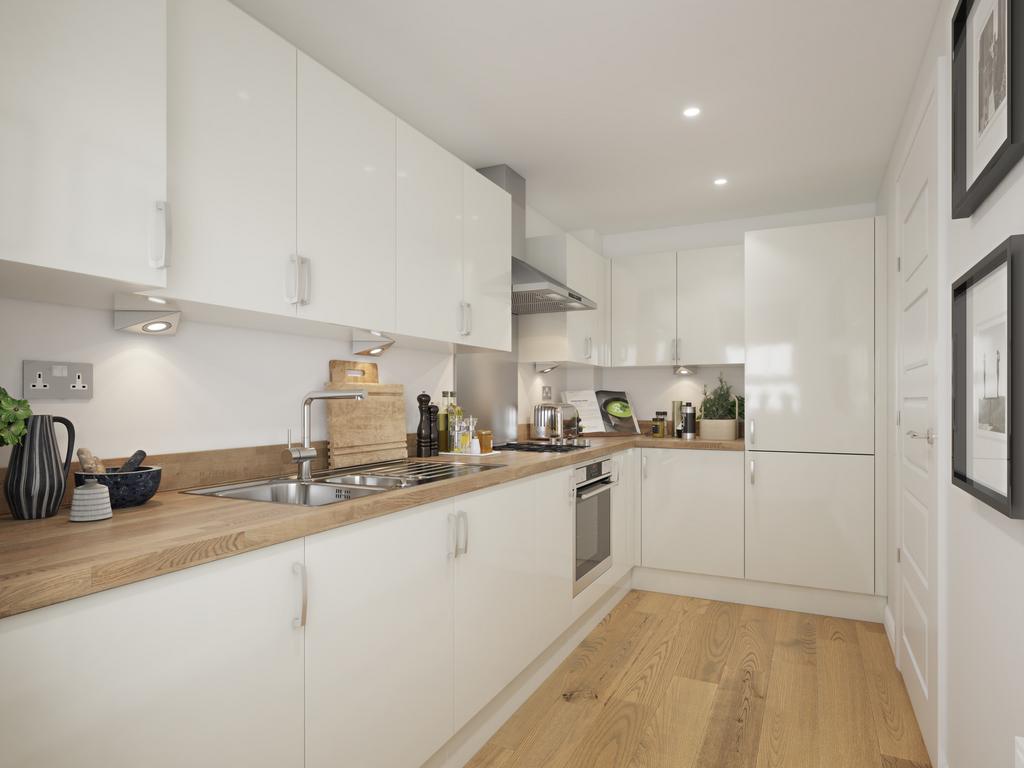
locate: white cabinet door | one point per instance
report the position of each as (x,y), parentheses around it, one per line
(346,200)
(379,641)
(555,509)
(644,309)
(810,328)
(710,305)
(693,511)
(83,139)
(584,272)
(624,510)
(495,589)
(430,181)
(810,520)
(232,155)
(487,262)
(202,667)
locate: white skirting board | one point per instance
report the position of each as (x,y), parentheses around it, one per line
(467,742)
(846,605)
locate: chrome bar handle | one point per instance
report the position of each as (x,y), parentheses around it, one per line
(469,318)
(453,537)
(462,534)
(643,466)
(928,436)
(605,487)
(753,437)
(463,321)
(300,570)
(291,280)
(751,471)
(158,247)
(305,280)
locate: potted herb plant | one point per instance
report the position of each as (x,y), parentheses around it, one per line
(718,411)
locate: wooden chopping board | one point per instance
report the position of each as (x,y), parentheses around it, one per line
(365,431)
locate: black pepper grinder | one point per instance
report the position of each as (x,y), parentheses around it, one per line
(423,431)
(434,433)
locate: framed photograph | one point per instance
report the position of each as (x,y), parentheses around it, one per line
(985,372)
(988,105)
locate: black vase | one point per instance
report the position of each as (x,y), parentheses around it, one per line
(36,478)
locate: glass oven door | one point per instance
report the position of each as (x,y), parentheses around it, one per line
(593,548)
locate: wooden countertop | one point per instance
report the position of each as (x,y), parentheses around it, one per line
(47,561)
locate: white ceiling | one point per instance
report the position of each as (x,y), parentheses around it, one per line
(801,99)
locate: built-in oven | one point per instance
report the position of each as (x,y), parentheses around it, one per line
(592,551)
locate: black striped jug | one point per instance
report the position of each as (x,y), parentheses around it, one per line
(36,478)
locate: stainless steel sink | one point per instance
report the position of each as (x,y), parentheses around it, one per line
(345,484)
(289,492)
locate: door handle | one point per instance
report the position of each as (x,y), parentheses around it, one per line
(292,278)
(463,318)
(469,318)
(305,279)
(158,251)
(461,534)
(928,436)
(753,437)
(300,620)
(643,466)
(751,471)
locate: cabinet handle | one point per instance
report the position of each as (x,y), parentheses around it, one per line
(292,279)
(462,535)
(453,543)
(643,466)
(305,279)
(469,318)
(753,436)
(751,471)
(463,319)
(675,350)
(300,570)
(158,248)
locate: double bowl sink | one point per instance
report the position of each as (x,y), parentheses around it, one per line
(345,484)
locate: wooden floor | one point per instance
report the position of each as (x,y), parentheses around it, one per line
(683,682)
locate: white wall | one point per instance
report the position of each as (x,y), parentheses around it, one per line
(208,387)
(981,557)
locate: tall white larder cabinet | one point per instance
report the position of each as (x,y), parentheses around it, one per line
(810,405)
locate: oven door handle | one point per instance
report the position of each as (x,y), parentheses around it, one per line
(604,487)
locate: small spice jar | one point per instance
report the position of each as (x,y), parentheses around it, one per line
(486,438)
(659,424)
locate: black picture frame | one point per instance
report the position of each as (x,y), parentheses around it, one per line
(967,198)
(1011,253)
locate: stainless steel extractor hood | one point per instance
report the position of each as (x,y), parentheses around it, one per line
(533,292)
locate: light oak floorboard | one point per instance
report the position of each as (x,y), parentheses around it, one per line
(680,682)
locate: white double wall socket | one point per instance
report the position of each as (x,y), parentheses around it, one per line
(50,380)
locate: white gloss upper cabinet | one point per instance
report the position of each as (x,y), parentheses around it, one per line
(379,665)
(810,520)
(202,667)
(495,591)
(83,137)
(693,511)
(575,337)
(232,158)
(709,306)
(486,262)
(644,309)
(430,231)
(810,326)
(346,200)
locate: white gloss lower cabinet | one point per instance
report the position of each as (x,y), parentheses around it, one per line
(495,589)
(202,667)
(810,520)
(83,136)
(554,512)
(624,510)
(379,666)
(693,511)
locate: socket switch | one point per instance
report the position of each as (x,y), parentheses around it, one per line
(48,380)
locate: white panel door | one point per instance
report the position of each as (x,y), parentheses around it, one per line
(202,667)
(710,305)
(693,511)
(486,262)
(916,601)
(83,137)
(810,327)
(495,589)
(346,200)
(810,520)
(379,640)
(644,309)
(231,155)
(430,182)
(624,510)
(554,497)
